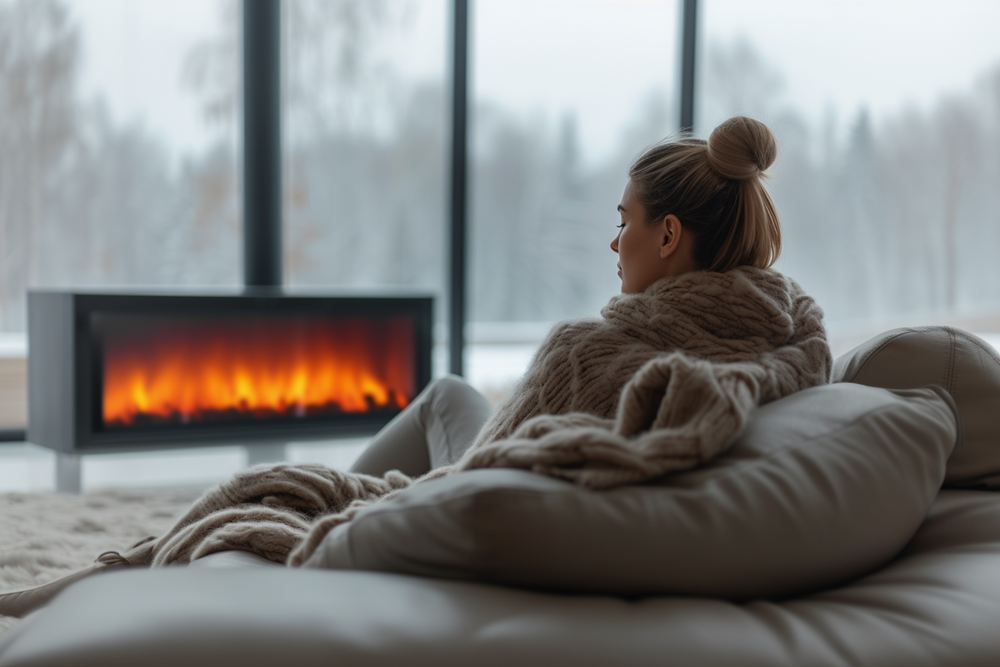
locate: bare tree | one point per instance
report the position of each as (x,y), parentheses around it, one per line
(332,70)
(738,80)
(334,81)
(39,52)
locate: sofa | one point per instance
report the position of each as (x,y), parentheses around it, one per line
(850,524)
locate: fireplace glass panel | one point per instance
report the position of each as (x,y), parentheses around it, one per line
(161,372)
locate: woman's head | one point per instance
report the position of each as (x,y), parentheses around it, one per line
(705,197)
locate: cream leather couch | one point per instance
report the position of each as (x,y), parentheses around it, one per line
(809,588)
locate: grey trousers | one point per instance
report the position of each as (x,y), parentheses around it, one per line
(434,430)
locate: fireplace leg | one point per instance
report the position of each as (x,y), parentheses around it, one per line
(68,473)
(265,453)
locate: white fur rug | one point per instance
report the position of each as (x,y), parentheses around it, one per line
(44,536)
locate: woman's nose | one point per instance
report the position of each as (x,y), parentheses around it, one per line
(614,242)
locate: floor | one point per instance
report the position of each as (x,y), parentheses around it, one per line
(26,467)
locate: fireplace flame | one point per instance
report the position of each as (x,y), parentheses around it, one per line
(210,370)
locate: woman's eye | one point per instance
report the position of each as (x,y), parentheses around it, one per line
(620,226)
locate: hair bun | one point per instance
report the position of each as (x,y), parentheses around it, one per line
(740,148)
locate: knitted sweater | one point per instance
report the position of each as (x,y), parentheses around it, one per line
(664,380)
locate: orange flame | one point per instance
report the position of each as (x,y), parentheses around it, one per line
(213,368)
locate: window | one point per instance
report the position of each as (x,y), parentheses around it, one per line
(888,120)
(119,149)
(365,138)
(117,152)
(565,94)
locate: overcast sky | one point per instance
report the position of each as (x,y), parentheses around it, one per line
(593,58)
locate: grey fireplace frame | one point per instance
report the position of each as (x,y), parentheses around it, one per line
(61,377)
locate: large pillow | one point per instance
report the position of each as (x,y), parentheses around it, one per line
(823,486)
(966,366)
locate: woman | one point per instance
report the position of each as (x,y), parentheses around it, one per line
(702,333)
(689,206)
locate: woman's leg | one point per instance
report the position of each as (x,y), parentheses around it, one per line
(434,430)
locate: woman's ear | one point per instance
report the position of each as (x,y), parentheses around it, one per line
(670,238)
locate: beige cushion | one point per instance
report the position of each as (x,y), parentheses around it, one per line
(964,364)
(937,605)
(822,487)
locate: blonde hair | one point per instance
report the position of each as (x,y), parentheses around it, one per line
(716,189)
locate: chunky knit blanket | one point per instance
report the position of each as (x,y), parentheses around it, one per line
(663,381)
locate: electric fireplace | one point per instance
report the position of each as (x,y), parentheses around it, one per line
(116,372)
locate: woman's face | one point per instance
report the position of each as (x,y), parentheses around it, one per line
(638,246)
